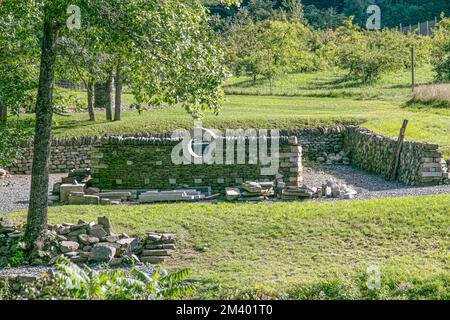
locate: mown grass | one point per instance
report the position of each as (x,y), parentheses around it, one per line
(331,83)
(284,113)
(380,106)
(297,249)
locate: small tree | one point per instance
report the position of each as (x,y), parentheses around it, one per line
(441,50)
(168,42)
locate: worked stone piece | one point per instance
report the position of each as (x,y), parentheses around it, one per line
(252,187)
(66,189)
(123,196)
(106,223)
(97,231)
(130,244)
(155,252)
(88,240)
(75,199)
(68,246)
(92,191)
(153,259)
(232,193)
(102,252)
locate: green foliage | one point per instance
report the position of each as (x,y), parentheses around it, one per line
(323,18)
(441,50)
(369,54)
(69,281)
(12,140)
(5,290)
(268,48)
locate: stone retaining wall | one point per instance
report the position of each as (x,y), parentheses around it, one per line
(73,153)
(420,163)
(146,163)
(66,154)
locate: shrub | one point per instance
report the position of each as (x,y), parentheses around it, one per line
(69,281)
(441,50)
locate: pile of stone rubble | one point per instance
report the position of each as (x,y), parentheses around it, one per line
(256,191)
(250,191)
(330,189)
(91,243)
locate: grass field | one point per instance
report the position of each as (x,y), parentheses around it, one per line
(311,99)
(298,248)
(332,83)
(274,112)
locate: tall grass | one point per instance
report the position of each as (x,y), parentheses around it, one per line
(437,95)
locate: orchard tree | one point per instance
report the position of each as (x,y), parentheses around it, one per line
(441,50)
(169,40)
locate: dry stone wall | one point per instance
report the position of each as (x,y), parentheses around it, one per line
(74,153)
(146,163)
(65,155)
(420,163)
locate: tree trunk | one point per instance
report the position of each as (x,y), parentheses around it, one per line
(37,211)
(3,114)
(103,97)
(118,83)
(90,98)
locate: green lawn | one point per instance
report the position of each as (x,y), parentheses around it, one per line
(287,247)
(268,112)
(332,83)
(322,99)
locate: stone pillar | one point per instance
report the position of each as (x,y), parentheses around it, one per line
(291,168)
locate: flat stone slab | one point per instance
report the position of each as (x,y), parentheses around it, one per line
(66,189)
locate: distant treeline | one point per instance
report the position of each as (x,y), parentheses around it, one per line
(325,14)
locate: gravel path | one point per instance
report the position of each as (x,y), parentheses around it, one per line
(369,186)
(14,191)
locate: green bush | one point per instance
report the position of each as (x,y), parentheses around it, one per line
(441,50)
(369,54)
(12,140)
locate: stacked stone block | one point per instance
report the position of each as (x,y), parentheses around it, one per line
(291,168)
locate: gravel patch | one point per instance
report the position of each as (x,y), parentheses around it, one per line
(15,191)
(369,186)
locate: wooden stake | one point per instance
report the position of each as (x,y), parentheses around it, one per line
(391,173)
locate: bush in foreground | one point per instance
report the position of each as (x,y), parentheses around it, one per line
(70,282)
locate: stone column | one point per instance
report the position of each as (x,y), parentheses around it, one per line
(291,168)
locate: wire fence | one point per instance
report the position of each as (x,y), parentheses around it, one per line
(423,28)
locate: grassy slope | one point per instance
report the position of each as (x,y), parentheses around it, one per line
(323,99)
(285,244)
(384,116)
